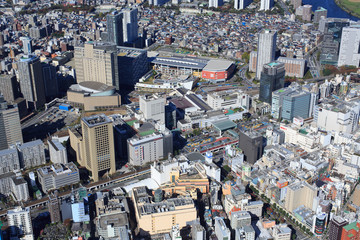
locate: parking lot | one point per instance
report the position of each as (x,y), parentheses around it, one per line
(48,122)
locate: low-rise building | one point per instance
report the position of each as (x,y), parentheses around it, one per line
(58,175)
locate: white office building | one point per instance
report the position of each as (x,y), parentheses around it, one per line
(221,231)
(153,107)
(241,4)
(266,50)
(57,152)
(349,47)
(266,5)
(215,3)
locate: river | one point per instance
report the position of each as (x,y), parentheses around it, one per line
(330,5)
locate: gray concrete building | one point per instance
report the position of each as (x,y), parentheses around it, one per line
(31,81)
(153,107)
(10,128)
(9,87)
(252,144)
(57,176)
(240,219)
(266,50)
(32,154)
(9,160)
(294,67)
(57,152)
(13,184)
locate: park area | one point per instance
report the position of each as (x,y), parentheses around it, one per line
(351,6)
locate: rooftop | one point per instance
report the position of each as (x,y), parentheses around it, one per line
(96,120)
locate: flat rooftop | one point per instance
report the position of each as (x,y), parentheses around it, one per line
(218,65)
(96,120)
(191,63)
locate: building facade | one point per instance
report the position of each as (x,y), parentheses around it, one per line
(272,78)
(58,153)
(349,46)
(266,49)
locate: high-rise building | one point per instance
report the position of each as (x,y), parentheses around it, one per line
(252,144)
(94,145)
(350,46)
(19,221)
(10,128)
(27,45)
(300,193)
(306,13)
(130,25)
(31,81)
(57,152)
(272,78)
(221,231)
(240,219)
(266,50)
(9,160)
(50,80)
(132,64)
(266,5)
(153,107)
(96,62)
(32,154)
(54,208)
(253,61)
(115,28)
(215,3)
(290,102)
(9,87)
(351,231)
(320,12)
(296,3)
(241,4)
(335,229)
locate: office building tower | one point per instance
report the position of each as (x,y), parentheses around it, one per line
(153,107)
(320,12)
(272,78)
(50,80)
(335,227)
(298,194)
(96,62)
(54,208)
(57,152)
(320,220)
(115,28)
(290,102)
(27,45)
(130,25)
(350,46)
(31,81)
(32,154)
(266,5)
(19,221)
(221,231)
(57,176)
(94,145)
(215,3)
(294,67)
(9,87)
(266,50)
(132,64)
(10,128)
(9,160)
(37,32)
(2,40)
(296,3)
(241,4)
(253,61)
(252,145)
(198,232)
(306,13)
(351,231)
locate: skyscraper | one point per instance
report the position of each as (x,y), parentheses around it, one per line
(272,78)
(27,45)
(335,228)
(31,81)
(115,28)
(96,62)
(306,15)
(266,4)
(98,145)
(350,46)
(10,128)
(266,50)
(241,4)
(9,87)
(319,13)
(252,143)
(50,80)
(130,25)
(215,3)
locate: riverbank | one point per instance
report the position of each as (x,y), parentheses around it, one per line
(351,7)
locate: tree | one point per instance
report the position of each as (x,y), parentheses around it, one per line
(246,57)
